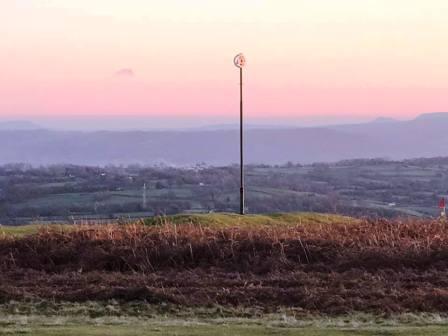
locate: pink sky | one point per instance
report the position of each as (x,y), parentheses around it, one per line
(174,57)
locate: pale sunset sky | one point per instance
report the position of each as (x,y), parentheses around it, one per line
(305,58)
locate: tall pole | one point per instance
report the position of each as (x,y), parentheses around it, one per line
(240,62)
(144,197)
(241,145)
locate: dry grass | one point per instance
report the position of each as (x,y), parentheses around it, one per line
(380,265)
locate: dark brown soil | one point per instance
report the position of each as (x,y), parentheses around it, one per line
(373,266)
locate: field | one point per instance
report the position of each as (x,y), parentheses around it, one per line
(77,194)
(314,263)
(289,274)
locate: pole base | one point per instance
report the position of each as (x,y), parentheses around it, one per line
(242,206)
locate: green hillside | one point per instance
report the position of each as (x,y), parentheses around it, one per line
(215,220)
(229,219)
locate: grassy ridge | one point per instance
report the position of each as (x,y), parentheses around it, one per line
(231,220)
(206,220)
(26,230)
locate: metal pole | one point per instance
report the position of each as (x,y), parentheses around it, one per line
(241,146)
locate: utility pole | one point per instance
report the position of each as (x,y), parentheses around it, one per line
(240,62)
(442,206)
(144,197)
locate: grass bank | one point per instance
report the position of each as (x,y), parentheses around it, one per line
(206,220)
(229,219)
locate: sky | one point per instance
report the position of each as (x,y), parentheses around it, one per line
(174,58)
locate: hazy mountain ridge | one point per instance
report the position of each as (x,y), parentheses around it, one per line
(18,125)
(425,136)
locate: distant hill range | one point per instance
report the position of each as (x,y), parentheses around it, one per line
(425,136)
(18,125)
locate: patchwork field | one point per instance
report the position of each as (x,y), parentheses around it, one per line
(356,188)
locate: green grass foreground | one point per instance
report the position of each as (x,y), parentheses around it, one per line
(219,331)
(111,318)
(219,328)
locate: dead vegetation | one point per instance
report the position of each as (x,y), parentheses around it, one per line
(374,266)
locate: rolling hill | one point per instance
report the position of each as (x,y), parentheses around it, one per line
(425,136)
